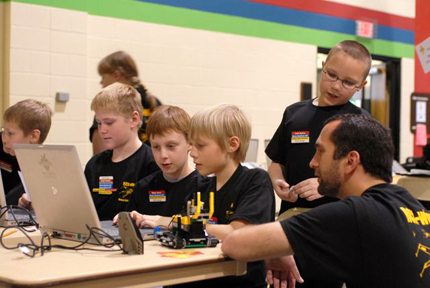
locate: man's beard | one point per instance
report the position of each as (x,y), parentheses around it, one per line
(329,186)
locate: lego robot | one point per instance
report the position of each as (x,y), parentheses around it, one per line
(188,229)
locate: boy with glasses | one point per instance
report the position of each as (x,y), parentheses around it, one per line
(293,144)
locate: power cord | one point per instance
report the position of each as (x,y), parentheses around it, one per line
(32,248)
(12,209)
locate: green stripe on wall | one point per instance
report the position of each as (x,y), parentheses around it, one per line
(187,18)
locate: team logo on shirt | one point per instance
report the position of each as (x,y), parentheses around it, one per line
(105,185)
(230,212)
(125,191)
(300,137)
(421,219)
(157,196)
(5,166)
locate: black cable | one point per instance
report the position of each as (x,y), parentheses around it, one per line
(31,249)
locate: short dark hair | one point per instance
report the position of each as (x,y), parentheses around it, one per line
(369,138)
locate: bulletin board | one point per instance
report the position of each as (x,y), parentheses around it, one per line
(420,110)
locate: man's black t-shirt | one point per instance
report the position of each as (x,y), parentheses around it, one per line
(381,239)
(154,195)
(112,183)
(293,144)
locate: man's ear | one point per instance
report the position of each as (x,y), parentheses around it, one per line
(234,144)
(352,161)
(34,136)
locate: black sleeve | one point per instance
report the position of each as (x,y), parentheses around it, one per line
(325,241)
(277,145)
(257,204)
(14,194)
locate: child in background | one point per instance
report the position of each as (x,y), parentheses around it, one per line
(165,192)
(112,174)
(220,138)
(26,122)
(120,67)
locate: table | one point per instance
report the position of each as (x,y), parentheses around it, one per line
(110,269)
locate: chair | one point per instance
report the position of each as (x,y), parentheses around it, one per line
(292,212)
(419,187)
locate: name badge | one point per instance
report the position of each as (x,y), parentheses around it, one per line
(5,166)
(300,137)
(105,185)
(157,196)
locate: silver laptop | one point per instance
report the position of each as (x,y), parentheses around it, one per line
(60,194)
(13,216)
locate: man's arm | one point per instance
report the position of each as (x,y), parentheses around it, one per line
(258,242)
(282,188)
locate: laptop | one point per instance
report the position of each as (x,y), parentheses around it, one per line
(60,193)
(13,216)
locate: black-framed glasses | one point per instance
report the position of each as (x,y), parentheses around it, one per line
(345,83)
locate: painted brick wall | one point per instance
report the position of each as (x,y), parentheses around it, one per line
(404,8)
(56,50)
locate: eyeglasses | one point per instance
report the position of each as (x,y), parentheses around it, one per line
(345,83)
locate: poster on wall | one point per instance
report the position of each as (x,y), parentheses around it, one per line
(423,52)
(420,107)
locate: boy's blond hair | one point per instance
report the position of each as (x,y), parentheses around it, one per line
(168,118)
(120,99)
(220,123)
(354,49)
(29,115)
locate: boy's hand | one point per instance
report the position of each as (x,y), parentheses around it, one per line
(283,269)
(24,202)
(307,189)
(283,191)
(143,220)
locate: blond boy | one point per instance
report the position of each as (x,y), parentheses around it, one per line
(112,174)
(220,137)
(26,122)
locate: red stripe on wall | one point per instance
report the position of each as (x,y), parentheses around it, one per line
(344,11)
(422,32)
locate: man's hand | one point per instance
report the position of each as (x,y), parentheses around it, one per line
(283,191)
(283,269)
(307,189)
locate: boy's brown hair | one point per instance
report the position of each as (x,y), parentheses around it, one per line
(168,118)
(354,49)
(120,99)
(30,115)
(220,123)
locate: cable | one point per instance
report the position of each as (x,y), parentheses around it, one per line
(31,249)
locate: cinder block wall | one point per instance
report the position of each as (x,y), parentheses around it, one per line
(57,50)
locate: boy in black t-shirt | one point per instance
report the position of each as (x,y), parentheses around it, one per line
(164,193)
(376,236)
(293,144)
(220,137)
(112,174)
(26,122)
